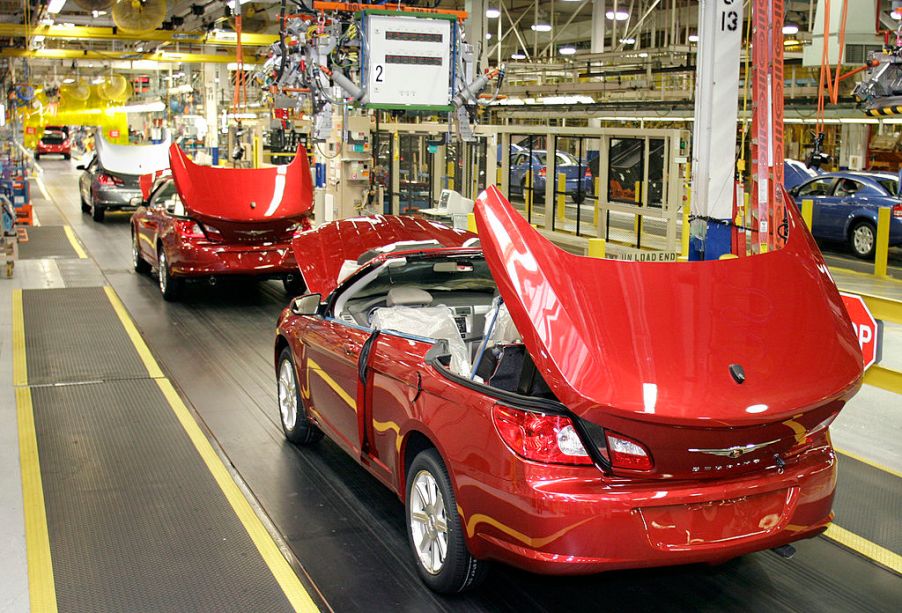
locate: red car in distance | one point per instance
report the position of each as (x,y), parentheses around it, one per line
(566,414)
(203,222)
(53,142)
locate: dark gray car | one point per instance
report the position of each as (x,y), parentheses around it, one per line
(102,190)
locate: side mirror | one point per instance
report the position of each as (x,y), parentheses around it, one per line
(136,202)
(80,167)
(306,305)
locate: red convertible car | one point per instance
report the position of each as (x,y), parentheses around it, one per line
(565,414)
(203,222)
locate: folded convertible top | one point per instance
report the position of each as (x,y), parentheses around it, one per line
(131,159)
(243,194)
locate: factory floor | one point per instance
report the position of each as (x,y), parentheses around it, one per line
(143,467)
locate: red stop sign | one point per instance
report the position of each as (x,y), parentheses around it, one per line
(865,327)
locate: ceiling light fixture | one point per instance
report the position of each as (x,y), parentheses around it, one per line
(568,50)
(790,28)
(541,27)
(628,41)
(516,55)
(492,13)
(55,6)
(693,38)
(68,81)
(617,15)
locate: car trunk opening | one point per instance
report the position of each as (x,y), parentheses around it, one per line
(247,204)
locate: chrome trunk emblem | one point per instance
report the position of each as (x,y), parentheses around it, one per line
(736,451)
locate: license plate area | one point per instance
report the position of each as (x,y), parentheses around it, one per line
(710,524)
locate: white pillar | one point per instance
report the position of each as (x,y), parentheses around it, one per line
(598,26)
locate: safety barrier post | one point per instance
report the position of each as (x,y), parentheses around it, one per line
(637,222)
(471,223)
(882,252)
(561,196)
(684,236)
(597,248)
(597,202)
(807,211)
(527,194)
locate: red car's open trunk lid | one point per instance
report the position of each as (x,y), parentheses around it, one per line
(655,342)
(250,203)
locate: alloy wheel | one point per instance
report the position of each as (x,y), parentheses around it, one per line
(863,239)
(163,272)
(428,522)
(288,395)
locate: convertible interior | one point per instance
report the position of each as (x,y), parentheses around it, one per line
(455,301)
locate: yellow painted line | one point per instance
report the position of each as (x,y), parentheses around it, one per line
(269,551)
(332,383)
(20,364)
(266,546)
(150,363)
(870,463)
(872,551)
(41,586)
(76,245)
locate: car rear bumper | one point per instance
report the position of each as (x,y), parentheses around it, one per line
(52,150)
(193,260)
(580,526)
(115,198)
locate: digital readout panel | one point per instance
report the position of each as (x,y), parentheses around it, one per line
(409,61)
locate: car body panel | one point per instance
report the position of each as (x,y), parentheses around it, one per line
(134,160)
(321,253)
(836,211)
(250,195)
(636,337)
(239,243)
(383,395)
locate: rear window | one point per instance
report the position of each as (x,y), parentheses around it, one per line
(890,185)
(53,138)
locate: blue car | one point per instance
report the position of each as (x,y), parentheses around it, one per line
(579,177)
(846,205)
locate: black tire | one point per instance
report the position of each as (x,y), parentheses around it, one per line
(97,213)
(294,285)
(863,239)
(67,156)
(37,156)
(299,430)
(141,265)
(458,571)
(85,207)
(170,287)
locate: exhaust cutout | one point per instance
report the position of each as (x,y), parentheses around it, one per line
(785,551)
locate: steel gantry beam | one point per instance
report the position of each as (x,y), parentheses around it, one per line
(215,37)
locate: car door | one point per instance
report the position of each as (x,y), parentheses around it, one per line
(820,192)
(84,181)
(150,219)
(848,195)
(518,170)
(332,349)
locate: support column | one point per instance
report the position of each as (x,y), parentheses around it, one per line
(714,132)
(598,26)
(475,26)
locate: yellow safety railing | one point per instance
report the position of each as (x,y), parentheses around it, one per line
(881,251)
(527,194)
(561,196)
(597,203)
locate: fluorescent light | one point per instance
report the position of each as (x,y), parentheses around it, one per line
(69,80)
(643,54)
(628,41)
(492,13)
(693,38)
(488,36)
(518,56)
(790,29)
(567,50)
(47,21)
(37,39)
(98,80)
(617,15)
(541,27)
(231,66)
(55,6)
(147,107)
(97,14)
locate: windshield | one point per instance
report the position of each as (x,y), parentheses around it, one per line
(890,185)
(53,138)
(434,275)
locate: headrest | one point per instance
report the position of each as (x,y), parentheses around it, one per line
(407,296)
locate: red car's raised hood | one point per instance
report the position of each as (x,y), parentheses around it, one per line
(243,195)
(656,341)
(322,252)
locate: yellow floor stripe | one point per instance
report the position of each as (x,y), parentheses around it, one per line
(76,245)
(269,551)
(150,363)
(20,365)
(41,588)
(870,463)
(872,551)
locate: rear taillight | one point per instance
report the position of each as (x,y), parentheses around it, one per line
(105,179)
(541,437)
(624,452)
(189,229)
(213,233)
(897,210)
(543,171)
(588,173)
